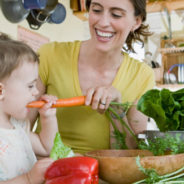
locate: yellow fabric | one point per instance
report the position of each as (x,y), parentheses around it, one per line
(82,128)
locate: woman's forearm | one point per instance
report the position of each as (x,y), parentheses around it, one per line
(135,122)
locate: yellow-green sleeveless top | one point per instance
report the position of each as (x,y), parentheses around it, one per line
(82,128)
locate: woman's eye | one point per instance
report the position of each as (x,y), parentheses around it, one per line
(96,10)
(116,15)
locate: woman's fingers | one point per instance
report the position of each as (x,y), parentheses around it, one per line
(101,97)
(96,102)
(103,102)
(89,96)
(108,101)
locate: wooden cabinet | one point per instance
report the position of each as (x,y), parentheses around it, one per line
(79,8)
(159,5)
(171,58)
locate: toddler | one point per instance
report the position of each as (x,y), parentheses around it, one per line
(18,145)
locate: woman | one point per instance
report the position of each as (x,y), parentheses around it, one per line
(100,70)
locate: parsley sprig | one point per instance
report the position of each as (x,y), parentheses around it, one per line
(161,145)
(154,178)
(114,111)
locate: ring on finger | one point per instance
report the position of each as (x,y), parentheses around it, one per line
(103,103)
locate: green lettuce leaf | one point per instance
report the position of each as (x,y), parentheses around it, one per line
(59,150)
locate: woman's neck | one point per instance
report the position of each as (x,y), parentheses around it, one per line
(110,60)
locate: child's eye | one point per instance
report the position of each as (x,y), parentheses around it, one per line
(31,86)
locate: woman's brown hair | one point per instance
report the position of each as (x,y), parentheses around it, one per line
(142,31)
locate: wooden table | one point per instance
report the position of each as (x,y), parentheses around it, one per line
(102,182)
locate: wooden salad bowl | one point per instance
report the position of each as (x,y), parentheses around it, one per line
(119,166)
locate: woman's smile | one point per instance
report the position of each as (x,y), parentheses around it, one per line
(104,36)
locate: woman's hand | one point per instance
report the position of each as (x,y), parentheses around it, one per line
(46,110)
(100,98)
(36,174)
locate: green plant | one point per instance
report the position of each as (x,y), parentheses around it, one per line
(113,112)
(165,107)
(154,178)
(161,145)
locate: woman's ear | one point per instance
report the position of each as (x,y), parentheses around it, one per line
(138,22)
(1,91)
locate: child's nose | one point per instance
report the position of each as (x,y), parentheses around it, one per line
(35,92)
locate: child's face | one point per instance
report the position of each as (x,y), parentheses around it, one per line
(20,89)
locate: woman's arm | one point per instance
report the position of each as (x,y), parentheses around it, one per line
(136,121)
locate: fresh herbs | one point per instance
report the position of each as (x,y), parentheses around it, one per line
(154,178)
(165,107)
(161,145)
(115,111)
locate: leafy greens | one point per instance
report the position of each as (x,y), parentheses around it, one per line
(154,178)
(161,145)
(59,150)
(165,107)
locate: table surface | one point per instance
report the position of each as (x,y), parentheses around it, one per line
(102,182)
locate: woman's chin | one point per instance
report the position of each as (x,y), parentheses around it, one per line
(103,48)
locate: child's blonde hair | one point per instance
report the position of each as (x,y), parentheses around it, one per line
(12,54)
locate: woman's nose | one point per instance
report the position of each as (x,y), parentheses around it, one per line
(104,20)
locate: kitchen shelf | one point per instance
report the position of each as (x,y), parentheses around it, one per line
(171,57)
(172,50)
(81,15)
(170,86)
(158,6)
(151,7)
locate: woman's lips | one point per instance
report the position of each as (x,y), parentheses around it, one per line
(103,35)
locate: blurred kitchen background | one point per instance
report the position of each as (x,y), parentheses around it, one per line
(41,21)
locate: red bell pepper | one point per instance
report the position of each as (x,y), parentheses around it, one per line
(80,178)
(73,170)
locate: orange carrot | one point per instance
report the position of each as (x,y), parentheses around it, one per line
(67,102)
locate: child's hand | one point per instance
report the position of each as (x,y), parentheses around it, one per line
(36,174)
(46,111)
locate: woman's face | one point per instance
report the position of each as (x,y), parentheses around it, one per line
(110,23)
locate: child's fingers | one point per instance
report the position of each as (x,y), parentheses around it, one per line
(46,110)
(47,105)
(49,98)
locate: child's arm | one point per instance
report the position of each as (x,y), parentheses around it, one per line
(22,179)
(42,143)
(34,176)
